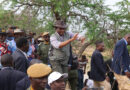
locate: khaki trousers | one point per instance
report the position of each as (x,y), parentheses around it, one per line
(103,84)
(123,82)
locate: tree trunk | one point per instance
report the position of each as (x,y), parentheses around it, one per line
(82,49)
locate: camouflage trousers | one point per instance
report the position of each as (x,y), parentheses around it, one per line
(123,82)
(73,79)
(59,65)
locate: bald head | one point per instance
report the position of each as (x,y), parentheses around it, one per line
(127,38)
(7,60)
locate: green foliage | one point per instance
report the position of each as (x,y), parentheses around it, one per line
(128,48)
(99,21)
(7,19)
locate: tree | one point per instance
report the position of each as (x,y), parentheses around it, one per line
(91,16)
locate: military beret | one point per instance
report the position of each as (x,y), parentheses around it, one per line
(38,70)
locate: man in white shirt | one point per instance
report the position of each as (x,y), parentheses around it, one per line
(59,52)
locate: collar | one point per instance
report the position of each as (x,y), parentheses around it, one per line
(23,53)
(20,50)
(7,68)
(10,38)
(59,35)
(112,59)
(125,41)
(97,50)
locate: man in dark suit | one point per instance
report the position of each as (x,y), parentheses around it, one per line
(8,76)
(21,62)
(98,71)
(121,63)
(25,82)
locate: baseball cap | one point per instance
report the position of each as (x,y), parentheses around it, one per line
(55,76)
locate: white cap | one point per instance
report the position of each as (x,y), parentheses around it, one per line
(18,31)
(55,76)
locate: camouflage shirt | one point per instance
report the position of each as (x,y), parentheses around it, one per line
(43,52)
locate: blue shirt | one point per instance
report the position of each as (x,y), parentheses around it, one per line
(11,44)
(125,41)
(126,44)
(30,50)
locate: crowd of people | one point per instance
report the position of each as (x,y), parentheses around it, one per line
(47,62)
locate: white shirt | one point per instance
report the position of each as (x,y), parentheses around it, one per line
(55,43)
(90,83)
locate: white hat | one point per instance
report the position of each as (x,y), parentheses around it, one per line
(55,76)
(18,31)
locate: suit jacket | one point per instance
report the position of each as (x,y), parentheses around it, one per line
(98,70)
(21,63)
(9,77)
(23,84)
(121,61)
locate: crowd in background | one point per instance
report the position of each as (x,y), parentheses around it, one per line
(47,62)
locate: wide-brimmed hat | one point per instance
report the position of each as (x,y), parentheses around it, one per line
(60,24)
(45,33)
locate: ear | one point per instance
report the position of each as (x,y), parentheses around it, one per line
(51,85)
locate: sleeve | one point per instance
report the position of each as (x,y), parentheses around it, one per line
(119,50)
(39,50)
(54,42)
(99,64)
(20,64)
(29,51)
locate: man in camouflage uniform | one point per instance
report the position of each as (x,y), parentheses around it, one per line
(38,74)
(59,52)
(44,48)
